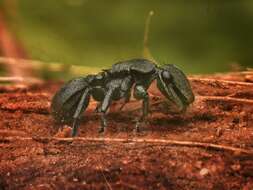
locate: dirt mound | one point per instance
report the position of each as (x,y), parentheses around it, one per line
(208,147)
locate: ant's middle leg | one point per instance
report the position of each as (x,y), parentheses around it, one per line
(125,90)
(141,93)
(103,109)
(126,99)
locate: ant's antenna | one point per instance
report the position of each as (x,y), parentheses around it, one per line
(146,52)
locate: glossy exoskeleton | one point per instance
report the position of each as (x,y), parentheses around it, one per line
(116,83)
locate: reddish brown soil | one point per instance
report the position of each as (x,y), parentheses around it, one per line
(222,114)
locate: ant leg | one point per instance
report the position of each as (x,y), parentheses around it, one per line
(103,109)
(103,124)
(97,108)
(125,89)
(126,100)
(141,93)
(82,105)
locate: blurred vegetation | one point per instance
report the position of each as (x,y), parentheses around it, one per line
(200,36)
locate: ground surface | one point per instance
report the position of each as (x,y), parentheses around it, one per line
(34,154)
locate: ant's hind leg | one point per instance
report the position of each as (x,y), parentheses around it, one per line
(75,126)
(82,105)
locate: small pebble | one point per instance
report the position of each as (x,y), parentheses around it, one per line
(219,132)
(75,179)
(204,172)
(236,167)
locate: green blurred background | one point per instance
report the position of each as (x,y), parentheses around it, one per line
(200,36)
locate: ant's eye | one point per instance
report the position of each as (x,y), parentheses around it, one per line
(166,76)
